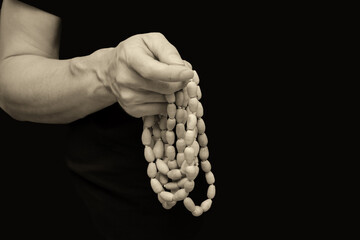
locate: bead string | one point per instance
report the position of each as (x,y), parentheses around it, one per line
(171,170)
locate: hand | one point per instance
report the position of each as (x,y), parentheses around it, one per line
(142,69)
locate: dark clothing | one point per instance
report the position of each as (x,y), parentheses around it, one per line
(104,149)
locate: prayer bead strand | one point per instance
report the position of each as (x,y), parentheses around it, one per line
(173,169)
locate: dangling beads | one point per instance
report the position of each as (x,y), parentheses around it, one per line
(173,169)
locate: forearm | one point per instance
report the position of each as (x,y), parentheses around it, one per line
(39,89)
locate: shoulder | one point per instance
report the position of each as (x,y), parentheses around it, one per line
(55,7)
(27,30)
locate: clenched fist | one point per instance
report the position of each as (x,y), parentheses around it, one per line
(141,70)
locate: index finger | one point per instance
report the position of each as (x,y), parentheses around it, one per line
(153,69)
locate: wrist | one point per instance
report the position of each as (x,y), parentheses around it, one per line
(94,69)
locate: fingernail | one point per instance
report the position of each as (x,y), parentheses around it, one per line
(187,64)
(175,60)
(186,74)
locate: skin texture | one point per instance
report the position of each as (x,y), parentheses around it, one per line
(36,86)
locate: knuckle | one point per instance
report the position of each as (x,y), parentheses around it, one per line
(156,35)
(126,97)
(132,111)
(162,87)
(145,71)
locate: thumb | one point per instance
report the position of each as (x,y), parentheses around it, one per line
(162,49)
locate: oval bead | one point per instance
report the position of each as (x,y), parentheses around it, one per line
(189,204)
(146,137)
(179,98)
(159,149)
(183,167)
(180,158)
(189,155)
(189,186)
(193,104)
(198,211)
(167,196)
(191,121)
(200,126)
(191,172)
(170,98)
(171,110)
(210,178)
(172,164)
(149,154)
(170,137)
(162,166)
(180,145)
(168,205)
(160,199)
(156,131)
(180,130)
(170,124)
(170,152)
(149,121)
(180,194)
(200,110)
(171,186)
(191,89)
(181,182)
(163,136)
(151,170)
(211,191)
(156,185)
(174,174)
(205,166)
(196,147)
(180,115)
(206,205)
(189,137)
(204,153)
(163,178)
(203,140)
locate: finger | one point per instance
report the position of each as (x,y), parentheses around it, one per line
(150,68)
(187,64)
(133,97)
(137,82)
(162,49)
(147,109)
(163,87)
(158,59)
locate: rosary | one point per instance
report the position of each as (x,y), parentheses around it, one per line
(171,170)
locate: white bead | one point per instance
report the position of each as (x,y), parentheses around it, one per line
(151,170)
(205,166)
(167,196)
(189,204)
(198,211)
(210,178)
(161,166)
(149,121)
(156,185)
(180,194)
(170,98)
(211,191)
(205,205)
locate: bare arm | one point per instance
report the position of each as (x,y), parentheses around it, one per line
(36,86)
